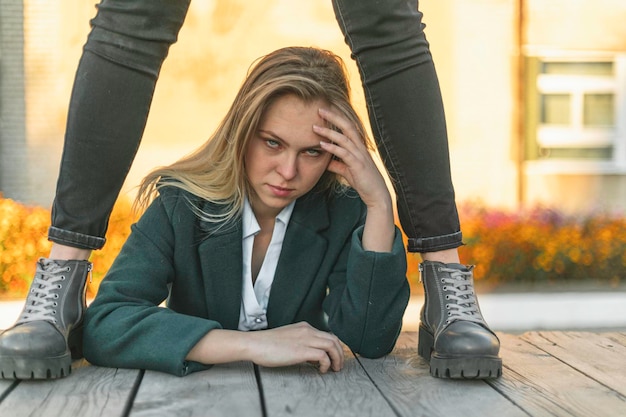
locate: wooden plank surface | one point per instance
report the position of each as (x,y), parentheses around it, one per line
(545,374)
(88,391)
(598,356)
(618,337)
(303,391)
(224,390)
(543,385)
(404,379)
(6,386)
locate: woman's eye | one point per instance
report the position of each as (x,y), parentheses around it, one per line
(272,143)
(313,152)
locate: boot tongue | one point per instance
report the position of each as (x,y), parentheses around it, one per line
(48,265)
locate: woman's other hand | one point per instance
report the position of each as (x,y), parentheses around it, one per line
(282,346)
(297,343)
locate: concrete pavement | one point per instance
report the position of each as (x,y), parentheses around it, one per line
(515,312)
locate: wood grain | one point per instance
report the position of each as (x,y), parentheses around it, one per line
(6,385)
(404,379)
(543,385)
(88,391)
(303,391)
(596,355)
(545,374)
(224,390)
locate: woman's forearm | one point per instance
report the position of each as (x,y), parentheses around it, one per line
(220,346)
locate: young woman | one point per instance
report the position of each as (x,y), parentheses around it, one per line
(280,223)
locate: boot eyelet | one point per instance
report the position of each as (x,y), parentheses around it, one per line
(445,288)
(62,277)
(55,304)
(59,286)
(56,296)
(68,269)
(447,306)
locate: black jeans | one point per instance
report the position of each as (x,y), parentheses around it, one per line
(119,68)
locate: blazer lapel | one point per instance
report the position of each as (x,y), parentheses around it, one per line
(221,259)
(301,255)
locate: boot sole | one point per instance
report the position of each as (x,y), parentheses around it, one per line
(456,367)
(44,368)
(36,368)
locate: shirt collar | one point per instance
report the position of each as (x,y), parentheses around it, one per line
(251,226)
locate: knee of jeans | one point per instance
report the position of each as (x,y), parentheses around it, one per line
(136,34)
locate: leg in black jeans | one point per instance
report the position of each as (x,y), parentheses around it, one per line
(108,110)
(406,114)
(109,106)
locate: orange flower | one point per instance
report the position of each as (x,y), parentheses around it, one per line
(526,246)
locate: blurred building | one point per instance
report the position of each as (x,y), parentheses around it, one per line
(535,93)
(534,90)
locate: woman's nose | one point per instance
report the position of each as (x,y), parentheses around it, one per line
(288,167)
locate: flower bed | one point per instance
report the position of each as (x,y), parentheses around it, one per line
(23,239)
(543,247)
(531,247)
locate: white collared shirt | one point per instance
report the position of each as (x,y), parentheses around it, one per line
(254,298)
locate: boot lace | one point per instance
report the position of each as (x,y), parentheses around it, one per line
(42,302)
(461,299)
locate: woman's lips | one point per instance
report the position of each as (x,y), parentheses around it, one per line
(280,191)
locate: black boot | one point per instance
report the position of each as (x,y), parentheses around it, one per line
(453,336)
(48,333)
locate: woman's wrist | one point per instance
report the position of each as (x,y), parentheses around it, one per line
(221,346)
(379,229)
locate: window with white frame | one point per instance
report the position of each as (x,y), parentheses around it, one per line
(576,109)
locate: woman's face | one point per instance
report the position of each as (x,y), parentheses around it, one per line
(284,159)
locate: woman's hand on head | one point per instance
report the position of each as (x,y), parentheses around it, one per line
(356,165)
(297,343)
(353,160)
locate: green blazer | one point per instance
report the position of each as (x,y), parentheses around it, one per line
(323,277)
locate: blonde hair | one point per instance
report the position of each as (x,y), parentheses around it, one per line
(215,172)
